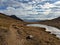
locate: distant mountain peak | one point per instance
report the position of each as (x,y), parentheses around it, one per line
(15,17)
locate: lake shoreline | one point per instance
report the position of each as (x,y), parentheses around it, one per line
(51,29)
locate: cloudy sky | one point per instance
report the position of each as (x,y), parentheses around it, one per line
(31,9)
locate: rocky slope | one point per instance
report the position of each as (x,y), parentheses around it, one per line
(15,32)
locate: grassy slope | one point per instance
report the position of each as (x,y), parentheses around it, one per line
(14,32)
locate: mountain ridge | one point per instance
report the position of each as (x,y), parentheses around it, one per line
(54,22)
(15,17)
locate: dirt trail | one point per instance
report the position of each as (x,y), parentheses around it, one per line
(18,39)
(13,37)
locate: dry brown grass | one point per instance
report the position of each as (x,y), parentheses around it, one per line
(15,32)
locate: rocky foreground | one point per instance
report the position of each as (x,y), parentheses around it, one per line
(15,32)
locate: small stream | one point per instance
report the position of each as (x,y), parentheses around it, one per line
(51,29)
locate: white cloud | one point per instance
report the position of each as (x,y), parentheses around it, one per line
(47,12)
(58,2)
(47,5)
(28,9)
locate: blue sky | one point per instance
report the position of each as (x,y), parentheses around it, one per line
(31,9)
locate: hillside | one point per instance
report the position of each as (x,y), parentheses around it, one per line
(15,32)
(13,16)
(55,22)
